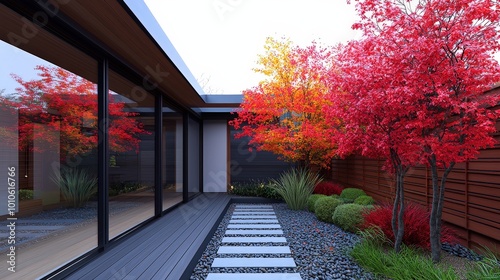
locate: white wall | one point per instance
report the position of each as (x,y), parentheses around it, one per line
(215,156)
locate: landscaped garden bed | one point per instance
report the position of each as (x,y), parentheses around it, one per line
(324,251)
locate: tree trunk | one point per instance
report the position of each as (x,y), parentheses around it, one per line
(435,221)
(398,209)
(401,226)
(394,219)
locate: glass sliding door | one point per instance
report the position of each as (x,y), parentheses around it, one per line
(172,158)
(48,163)
(132,153)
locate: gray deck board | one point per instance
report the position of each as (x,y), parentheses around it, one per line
(162,249)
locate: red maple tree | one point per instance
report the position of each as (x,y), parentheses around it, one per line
(64,105)
(432,61)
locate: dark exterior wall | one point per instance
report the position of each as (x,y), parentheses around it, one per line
(472,196)
(249,165)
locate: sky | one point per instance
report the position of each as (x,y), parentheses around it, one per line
(220,40)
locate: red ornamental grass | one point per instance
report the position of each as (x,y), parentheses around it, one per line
(327,188)
(416,223)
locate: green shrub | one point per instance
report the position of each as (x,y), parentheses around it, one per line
(364,200)
(346,200)
(349,216)
(123,187)
(25,194)
(351,193)
(295,187)
(76,185)
(312,200)
(324,208)
(254,188)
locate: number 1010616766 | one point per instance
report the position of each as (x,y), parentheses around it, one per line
(11,189)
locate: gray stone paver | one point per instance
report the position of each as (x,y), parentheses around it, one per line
(253,239)
(254,226)
(254,217)
(254,231)
(251,221)
(254,276)
(254,250)
(253,262)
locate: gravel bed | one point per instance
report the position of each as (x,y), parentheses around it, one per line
(318,248)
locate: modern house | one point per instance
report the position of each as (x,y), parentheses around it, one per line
(180,150)
(143,129)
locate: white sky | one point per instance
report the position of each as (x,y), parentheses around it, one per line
(220,39)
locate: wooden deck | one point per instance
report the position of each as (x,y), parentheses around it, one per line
(164,249)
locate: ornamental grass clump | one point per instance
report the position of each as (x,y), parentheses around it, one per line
(295,187)
(325,207)
(311,201)
(350,216)
(76,185)
(487,268)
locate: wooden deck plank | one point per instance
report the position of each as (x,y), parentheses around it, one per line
(147,258)
(115,254)
(165,247)
(176,262)
(115,258)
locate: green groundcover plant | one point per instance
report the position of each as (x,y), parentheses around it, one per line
(409,263)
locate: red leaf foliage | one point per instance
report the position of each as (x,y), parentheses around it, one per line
(416,224)
(284,113)
(327,188)
(60,109)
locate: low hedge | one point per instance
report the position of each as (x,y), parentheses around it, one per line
(324,208)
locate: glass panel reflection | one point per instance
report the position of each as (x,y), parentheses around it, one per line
(48,141)
(172,159)
(131,161)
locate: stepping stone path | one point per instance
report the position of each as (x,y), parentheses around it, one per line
(247,221)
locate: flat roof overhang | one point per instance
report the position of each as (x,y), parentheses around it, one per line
(128,32)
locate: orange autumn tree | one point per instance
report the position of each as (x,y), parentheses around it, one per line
(64,106)
(283,114)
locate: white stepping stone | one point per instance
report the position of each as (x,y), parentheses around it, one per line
(253,212)
(253,262)
(254,217)
(253,207)
(254,226)
(254,276)
(253,221)
(253,231)
(254,250)
(253,239)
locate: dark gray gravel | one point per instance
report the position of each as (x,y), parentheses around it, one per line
(318,248)
(461,251)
